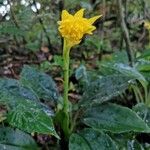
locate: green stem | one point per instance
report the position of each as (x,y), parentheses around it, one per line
(66,51)
(149,37)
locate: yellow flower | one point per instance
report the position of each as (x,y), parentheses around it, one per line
(73,27)
(147,25)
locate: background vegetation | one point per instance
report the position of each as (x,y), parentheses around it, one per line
(112,65)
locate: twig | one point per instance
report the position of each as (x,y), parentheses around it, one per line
(125,33)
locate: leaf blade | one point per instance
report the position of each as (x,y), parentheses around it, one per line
(114,118)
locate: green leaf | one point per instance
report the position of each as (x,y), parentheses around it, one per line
(90,139)
(116,57)
(143,111)
(81,73)
(42,84)
(127,142)
(34,47)
(28,117)
(11,139)
(58,61)
(126,70)
(114,118)
(145,54)
(25,111)
(143,65)
(10,29)
(11,91)
(105,89)
(146,75)
(77,142)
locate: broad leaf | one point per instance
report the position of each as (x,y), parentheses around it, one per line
(143,111)
(28,117)
(127,142)
(13,93)
(90,139)
(11,139)
(114,118)
(105,89)
(77,142)
(42,84)
(25,111)
(11,90)
(126,70)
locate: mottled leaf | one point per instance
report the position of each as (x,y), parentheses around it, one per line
(114,118)
(11,91)
(105,89)
(143,111)
(89,139)
(11,139)
(127,142)
(28,117)
(41,83)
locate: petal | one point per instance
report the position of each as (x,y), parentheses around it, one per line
(79,13)
(93,19)
(65,15)
(90,30)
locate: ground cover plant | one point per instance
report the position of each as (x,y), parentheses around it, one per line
(75,75)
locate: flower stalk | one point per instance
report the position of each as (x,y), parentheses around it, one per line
(66,51)
(72,29)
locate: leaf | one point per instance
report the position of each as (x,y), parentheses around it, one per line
(126,70)
(145,54)
(143,111)
(25,110)
(81,73)
(10,29)
(28,117)
(143,65)
(34,47)
(114,118)
(11,139)
(58,61)
(146,75)
(42,84)
(77,142)
(11,91)
(116,57)
(89,139)
(105,89)
(126,142)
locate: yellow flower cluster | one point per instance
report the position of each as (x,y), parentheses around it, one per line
(147,25)
(73,27)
